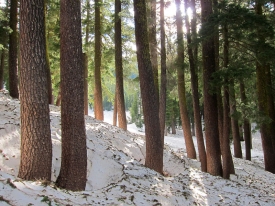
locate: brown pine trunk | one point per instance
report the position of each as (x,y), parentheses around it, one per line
(194,85)
(73,169)
(13,76)
(235,125)
(195,96)
(162,101)
(2,62)
(214,166)
(98,105)
(228,166)
(190,148)
(58,99)
(115,111)
(154,149)
(262,91)
(153,43)
(246,125)
(36,145)
(120,103)
(86,94)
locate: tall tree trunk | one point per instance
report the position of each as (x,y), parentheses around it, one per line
(86,94)
(246,125)
(115,111)
(2,66)
(13,76)
(154,149)
(269,152)
(195,96)
(58,99)
(214,166)
(190,148)
(235,125)
(49,79)
(162,101)
(73,169)
(228,166)
(36,144)
(120,103)
(98,105)
(153,45)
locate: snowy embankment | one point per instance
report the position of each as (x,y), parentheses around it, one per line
(116,174)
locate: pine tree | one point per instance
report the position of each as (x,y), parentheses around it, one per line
(36,145)
(154,149)
(73,170)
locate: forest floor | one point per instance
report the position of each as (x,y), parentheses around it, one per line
(116,173)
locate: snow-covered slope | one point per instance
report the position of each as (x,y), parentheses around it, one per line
(116,174)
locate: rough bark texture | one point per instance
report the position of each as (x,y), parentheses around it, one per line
(214,166)
(228,166)
(13,76)
(154,149)
(120,103)
(98,105)
(153,42)
(195,97)
(190,148)
(262,91)
(73,170)
(235,125)
(86,91)
(36,144)
(162,101)
(246,125)
(3,55)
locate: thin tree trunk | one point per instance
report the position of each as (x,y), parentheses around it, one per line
(2,66)
(214,165)
(98,105)
(50,90)
(115,111)
(228,166)
(36,144)
(190,148)
(162,102)
(194,85)
(154,149)
(86,93)
(246,125)
(120,103)
(58,99)
(13,76)
(235,125)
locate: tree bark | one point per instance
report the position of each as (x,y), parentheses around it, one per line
(195,96)
(235,125)
(190,148)
(115,111)
(36,145)
(214,166)
(13,76)
(98,105)
(246,125)
(154,149)
(153,45)
(73,170)
(120,102)
(162,101)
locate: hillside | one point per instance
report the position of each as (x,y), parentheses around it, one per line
(116,174)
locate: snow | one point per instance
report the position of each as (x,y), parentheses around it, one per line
(116,173)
